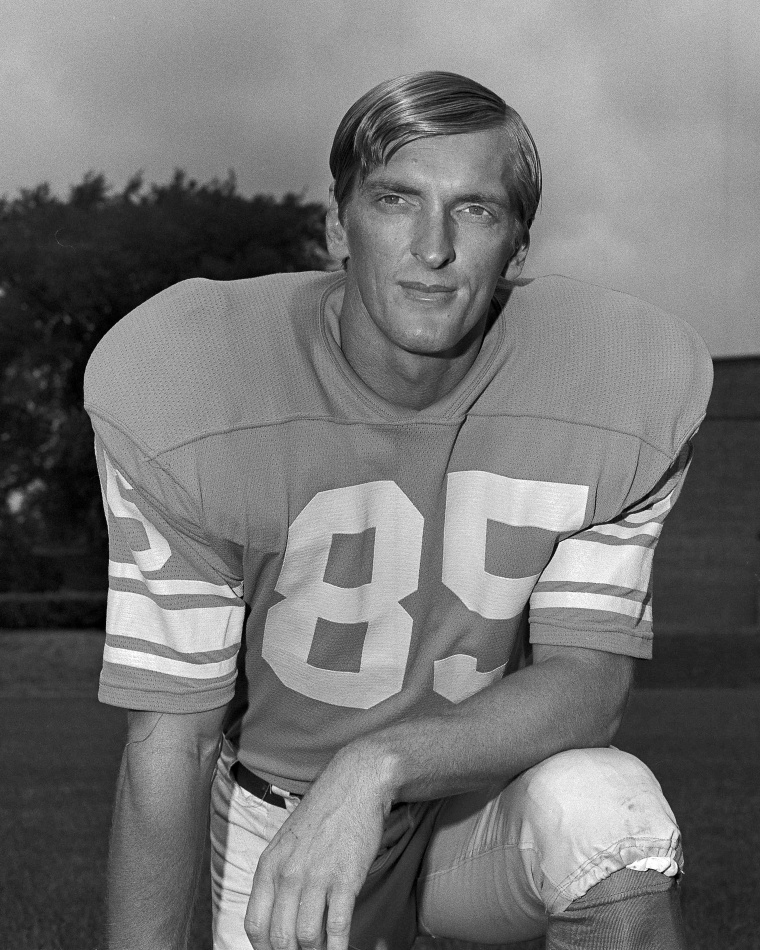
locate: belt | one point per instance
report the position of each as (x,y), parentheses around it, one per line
(258,786)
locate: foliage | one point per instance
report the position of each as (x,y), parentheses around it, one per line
(69,269)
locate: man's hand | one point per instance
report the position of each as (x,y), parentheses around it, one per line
(308,877)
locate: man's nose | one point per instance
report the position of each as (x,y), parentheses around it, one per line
(433,242)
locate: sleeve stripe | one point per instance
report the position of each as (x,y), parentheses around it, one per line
(137,645)
(638,596)
(194,630)
(581,560)
(641,540)
(658,510)
(163,664)
(587,601)
(122,569)
(652,529)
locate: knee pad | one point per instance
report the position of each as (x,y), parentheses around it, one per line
(592,812)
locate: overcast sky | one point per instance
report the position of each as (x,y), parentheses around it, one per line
(646,114)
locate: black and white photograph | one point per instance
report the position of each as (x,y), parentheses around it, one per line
(380,475)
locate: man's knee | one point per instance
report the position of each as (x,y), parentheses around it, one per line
(591,812)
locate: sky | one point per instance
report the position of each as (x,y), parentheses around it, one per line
(646,115)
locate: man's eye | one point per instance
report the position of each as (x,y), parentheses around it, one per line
(391,200)
(478,211)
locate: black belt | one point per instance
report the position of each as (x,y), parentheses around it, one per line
(258,786)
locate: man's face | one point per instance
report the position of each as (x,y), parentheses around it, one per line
(427,237)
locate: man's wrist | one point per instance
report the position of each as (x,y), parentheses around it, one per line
(378,765)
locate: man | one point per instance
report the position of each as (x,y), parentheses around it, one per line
(367,479)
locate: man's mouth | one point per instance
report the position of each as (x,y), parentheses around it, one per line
(426,290)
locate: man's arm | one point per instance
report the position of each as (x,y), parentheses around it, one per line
(159,827)
(569,698)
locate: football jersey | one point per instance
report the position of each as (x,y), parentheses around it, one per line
(349,562)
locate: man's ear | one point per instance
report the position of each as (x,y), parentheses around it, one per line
(514,268)
(335,233)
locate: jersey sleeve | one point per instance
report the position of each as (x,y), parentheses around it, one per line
(175,609)
(596,590)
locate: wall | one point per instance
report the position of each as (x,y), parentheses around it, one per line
(707,565)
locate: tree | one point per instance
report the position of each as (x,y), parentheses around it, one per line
(69,269)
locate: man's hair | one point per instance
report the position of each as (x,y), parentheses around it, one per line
(401,110)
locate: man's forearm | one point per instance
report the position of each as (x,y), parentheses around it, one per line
(319,858)
(157,840)
(572,699)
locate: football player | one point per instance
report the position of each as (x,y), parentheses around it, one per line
(381,549)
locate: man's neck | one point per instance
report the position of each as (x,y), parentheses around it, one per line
(406,379)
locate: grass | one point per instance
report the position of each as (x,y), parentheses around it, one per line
(59,753)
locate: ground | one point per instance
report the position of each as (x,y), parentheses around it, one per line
(59,753)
